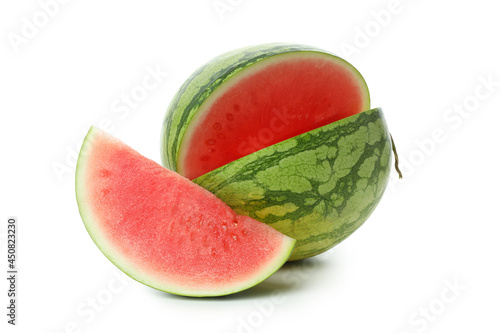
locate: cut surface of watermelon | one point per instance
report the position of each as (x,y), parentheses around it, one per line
(264,100)
(165,231)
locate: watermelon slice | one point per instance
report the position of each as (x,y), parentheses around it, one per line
(165,231)
(236,105)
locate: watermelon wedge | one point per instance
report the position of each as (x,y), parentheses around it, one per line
(165,231)
(251,98)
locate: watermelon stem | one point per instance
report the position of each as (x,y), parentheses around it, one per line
(396,158)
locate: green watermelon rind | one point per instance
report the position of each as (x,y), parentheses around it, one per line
(217,74)
(107,248)
(317,187)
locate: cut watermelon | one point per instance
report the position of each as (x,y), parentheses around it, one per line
(239,105)
(283,133)
(165,231)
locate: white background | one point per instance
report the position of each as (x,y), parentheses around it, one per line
(437,228)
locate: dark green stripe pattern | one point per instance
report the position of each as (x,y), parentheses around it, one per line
(202,83)
(317,187)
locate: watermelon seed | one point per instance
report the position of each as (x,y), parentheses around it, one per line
(230,116)
(104,173)
(234,237)
(320,64)
(217,126)
(236,107)
(224,228)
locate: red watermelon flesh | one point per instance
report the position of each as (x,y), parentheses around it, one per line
(165,231)
(268,102)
